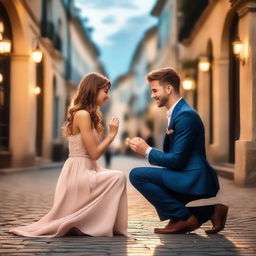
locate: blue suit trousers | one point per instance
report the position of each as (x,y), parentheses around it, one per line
(168,203)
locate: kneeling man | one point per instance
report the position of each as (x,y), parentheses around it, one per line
(184,174)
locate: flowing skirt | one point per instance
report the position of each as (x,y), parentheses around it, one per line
(88,198)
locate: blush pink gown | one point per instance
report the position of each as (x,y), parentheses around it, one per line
(87,197)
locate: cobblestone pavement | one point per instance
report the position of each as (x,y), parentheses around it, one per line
(26,196)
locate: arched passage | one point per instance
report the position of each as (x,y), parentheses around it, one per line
(230,87)
(5,75)
(39,108)
(234,92)
(211,107)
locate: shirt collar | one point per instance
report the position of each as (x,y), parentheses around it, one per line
(170,110)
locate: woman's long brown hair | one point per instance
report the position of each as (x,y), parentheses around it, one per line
(85,99)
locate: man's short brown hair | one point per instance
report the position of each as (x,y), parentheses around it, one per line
(165,76)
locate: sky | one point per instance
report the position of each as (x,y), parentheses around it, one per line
(118,26)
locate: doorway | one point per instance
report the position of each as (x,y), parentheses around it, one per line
(39,108)
(234,92)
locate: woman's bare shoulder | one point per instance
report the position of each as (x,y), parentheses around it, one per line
(82,117)
(82,114)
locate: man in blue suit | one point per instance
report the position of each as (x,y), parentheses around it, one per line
(183,175)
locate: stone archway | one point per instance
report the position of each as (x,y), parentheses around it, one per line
(228,118)
(21,98)
(20,45)
(234,92)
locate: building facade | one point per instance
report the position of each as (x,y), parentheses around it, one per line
(225,91)
(157,49)
(121,101)
(212,44)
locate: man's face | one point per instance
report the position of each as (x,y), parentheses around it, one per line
(159,93)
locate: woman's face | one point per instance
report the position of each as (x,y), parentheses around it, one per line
(102,96)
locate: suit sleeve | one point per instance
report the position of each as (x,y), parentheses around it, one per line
(185,130)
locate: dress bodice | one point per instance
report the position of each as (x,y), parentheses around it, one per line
(76,145)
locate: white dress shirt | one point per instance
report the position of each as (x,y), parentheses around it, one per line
(169,116)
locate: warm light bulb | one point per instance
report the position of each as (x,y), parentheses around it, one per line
(37,56)
(37,90)
(187,84)
(5,45)
(1,78)
(237,47)
(204,64)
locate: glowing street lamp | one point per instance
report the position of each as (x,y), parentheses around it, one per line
(5,44)
(238,50)
(37,90)
(188,84)
(37,55)
(204,64)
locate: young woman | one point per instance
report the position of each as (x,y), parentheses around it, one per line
(88,199)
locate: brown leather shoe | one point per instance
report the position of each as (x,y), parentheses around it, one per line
(169,226)
(179,226)
(218,219)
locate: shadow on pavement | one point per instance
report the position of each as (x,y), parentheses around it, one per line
(194,244)
(67,245)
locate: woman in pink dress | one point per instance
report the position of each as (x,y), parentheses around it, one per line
(88,199)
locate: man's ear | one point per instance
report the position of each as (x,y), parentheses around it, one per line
(169,89)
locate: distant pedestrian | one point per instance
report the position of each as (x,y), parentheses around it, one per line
(108,156)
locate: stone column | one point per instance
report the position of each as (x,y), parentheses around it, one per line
(218,151)
(245,166)
(203,105)
(22,112)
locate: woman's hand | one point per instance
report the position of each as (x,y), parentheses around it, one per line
(95,149)
(113,127)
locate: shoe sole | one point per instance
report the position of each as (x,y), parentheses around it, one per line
(183,231)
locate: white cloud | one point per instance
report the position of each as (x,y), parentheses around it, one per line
(120,14)
(118,26)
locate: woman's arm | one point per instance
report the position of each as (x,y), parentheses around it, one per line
(84,123)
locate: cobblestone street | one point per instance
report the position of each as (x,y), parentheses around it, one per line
(28,195)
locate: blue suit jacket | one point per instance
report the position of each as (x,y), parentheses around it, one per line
(186,169)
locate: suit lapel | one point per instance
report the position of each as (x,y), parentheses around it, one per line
(168,138)
(175,112)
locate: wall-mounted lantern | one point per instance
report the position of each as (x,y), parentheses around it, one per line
(188,84)
(5,43)
(204,64)
(37,90)
(37,54)
(238,50)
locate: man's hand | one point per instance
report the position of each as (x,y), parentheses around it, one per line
(138,145)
